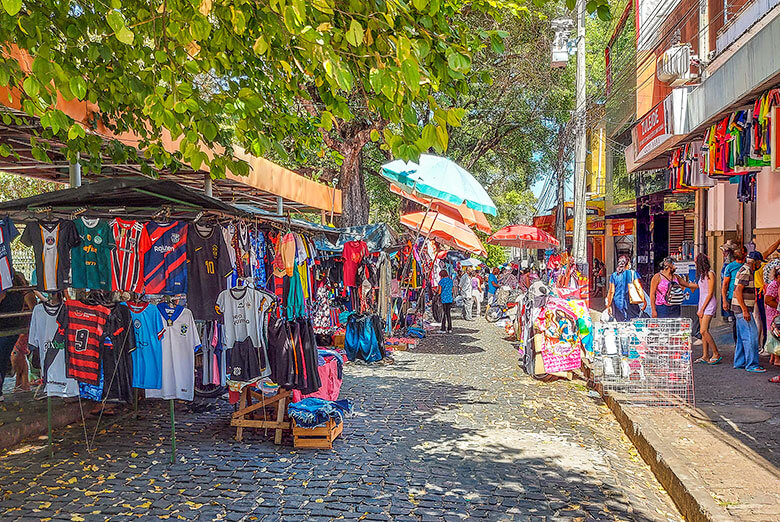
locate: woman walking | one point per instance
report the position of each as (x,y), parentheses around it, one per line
(705,279)
(667,291)
(619,295)
(445,292)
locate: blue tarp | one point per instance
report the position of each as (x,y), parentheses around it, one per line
(377,237)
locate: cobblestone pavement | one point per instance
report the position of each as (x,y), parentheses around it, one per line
(452,431)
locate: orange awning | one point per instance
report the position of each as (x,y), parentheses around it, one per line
(445,230)
(469,217)
(264,175)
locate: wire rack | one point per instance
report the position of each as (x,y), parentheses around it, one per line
(646,361)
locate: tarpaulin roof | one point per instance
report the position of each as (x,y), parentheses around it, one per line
(122,192)
(299,224)
(378,237)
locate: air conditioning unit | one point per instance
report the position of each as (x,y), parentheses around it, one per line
(674,65)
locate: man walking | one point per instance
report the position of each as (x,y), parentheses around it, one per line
(746,349)
(466,292)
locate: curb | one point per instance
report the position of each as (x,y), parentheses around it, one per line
(693,500)
(62,414)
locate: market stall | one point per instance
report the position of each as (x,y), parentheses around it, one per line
(153,288)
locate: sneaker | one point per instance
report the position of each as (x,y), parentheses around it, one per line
(2,398)
(449,331)
(757,370)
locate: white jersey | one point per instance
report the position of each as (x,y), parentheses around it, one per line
(179,343)
(243,309)
(43,327)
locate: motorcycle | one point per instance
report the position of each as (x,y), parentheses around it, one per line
(503,305)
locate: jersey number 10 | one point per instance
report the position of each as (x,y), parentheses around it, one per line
(210,267)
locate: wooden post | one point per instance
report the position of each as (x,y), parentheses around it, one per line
(51,437)
(173,435)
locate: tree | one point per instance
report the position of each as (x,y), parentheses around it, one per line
(218,74)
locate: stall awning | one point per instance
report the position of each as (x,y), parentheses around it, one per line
(378,237)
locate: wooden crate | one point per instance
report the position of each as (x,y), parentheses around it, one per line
(338,340)
(318,438)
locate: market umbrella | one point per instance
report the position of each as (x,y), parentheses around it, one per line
(445,230)
(523,236)
(439,178)
(468,216)
(472,261)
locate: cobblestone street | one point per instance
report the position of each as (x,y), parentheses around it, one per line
(454,430)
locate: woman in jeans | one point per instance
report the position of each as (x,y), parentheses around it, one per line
(445,292)
(662,286)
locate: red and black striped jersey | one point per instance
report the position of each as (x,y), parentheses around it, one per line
(165,257)
(82,327)
(127,262)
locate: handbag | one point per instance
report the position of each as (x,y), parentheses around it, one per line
(675,294)
(636,294)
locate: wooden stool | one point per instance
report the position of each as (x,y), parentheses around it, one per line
(251,402)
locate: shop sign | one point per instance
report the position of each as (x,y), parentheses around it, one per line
(651,130)
(775,139)
(621,227)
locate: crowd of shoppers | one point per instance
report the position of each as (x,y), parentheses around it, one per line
(748,299)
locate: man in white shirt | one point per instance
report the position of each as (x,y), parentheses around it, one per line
(465,291)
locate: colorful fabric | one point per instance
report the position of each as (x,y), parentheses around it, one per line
(165,257)
(127,262)
(8,233)
(91,259)
(81,328)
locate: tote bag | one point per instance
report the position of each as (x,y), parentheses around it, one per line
(636,294)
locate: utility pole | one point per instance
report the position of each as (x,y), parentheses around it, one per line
(579,249)
(560,176)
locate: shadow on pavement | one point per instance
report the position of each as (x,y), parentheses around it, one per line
(743,404)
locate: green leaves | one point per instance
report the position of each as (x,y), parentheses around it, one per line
(260,46)
(31,87)
(411,73)
(78,87)
(237,20)
(604,12)
(459,62)
(12,7)
(117,22)
(355,33)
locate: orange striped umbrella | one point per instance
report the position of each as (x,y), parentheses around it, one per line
(469,217)
(445,230)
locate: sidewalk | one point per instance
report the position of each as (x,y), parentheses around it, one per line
(22,417)
(719,462)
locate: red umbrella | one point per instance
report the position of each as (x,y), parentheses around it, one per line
(445,230)
(523,236)
(462,213)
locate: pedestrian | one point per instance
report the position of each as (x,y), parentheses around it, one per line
(476,291)
(746,349)
(705,279)
(618,299)
(508,278)
(667,290)
(492,285)
(772,285)
(464,285)
(12,302)
(445,293)
(733,258)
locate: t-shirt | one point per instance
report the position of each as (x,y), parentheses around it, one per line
(758,278)
(492,284)
(147,356)
(43,330)
(446,289)
(179,343)
(353,254)
(164,247)
(242,308)
(209,266)
(82,328)
(744,277)
(731,271)
(118,345)
(91,259)
(621,281)
(8,233)
(127,261)
(51,241)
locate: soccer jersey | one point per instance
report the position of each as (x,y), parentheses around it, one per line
(179,343)
(127,261)
(209,266)
(164,248)
(91,259)
(7,234)
(43,329)
(147,356)
(244,312)
(51,242)
(244,363)
(81,328)
(117,348)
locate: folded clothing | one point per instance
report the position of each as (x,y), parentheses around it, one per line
(313,412)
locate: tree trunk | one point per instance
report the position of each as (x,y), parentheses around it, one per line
(355,204)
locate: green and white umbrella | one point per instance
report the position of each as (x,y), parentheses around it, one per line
(440,178)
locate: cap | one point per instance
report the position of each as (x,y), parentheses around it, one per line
(755,255)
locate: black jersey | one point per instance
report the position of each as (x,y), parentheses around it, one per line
(208,270)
